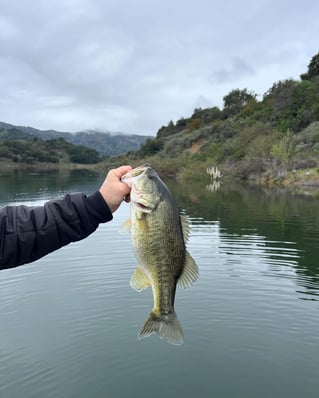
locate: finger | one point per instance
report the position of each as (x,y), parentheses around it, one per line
(120,171)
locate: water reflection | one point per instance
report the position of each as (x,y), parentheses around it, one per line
(213,186)
(20,185)
(274,219)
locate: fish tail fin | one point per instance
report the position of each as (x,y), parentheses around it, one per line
(166,326)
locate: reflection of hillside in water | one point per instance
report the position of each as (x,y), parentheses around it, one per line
(264,217)
(19,184)
(274,214)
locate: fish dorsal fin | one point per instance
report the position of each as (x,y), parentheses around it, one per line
(185,227)
(138,280)
(190,272)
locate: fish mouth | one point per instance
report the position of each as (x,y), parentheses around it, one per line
(127,178)
(137,171)
(140,206)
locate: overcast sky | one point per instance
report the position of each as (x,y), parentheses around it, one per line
(134,65)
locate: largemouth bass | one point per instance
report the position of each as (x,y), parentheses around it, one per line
(159,235)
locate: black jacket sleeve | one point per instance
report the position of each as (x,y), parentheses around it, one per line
(29,233)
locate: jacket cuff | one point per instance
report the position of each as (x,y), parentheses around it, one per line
(101,209)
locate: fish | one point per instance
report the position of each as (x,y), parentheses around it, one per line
(159,235)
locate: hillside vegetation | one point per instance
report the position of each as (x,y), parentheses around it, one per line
(264,139)
(30,151)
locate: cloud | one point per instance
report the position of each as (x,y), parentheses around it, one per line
(134,65)
(234,71)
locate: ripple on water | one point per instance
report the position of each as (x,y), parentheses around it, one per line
(70,321)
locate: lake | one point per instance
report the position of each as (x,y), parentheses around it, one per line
(69,322)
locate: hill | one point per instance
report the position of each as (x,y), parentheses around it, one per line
(272,139)
(49,152)
(107,144)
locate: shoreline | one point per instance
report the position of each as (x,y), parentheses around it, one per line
(10,166)
(296,179)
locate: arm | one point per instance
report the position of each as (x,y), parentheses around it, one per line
(29,233)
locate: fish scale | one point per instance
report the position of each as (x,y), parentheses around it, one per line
(159,266)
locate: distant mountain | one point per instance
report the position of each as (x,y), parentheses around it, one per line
(107,144)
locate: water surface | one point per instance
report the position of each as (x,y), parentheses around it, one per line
(69,321)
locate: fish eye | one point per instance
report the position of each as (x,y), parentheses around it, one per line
(151,176)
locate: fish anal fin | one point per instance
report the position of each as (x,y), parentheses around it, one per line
(190,272)
(138,280)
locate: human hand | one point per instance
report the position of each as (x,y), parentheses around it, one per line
(113,190)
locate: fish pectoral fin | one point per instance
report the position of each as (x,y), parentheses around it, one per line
(190,272)
(185,227)
(138,280)
(126,226)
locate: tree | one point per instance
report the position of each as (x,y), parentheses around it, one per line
(207,115)
(152,146)
(235,101)
(313,69)
(194,124)
(292,104)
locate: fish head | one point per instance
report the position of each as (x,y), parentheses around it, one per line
(145,187)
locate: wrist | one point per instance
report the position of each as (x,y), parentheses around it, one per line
(100,205)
